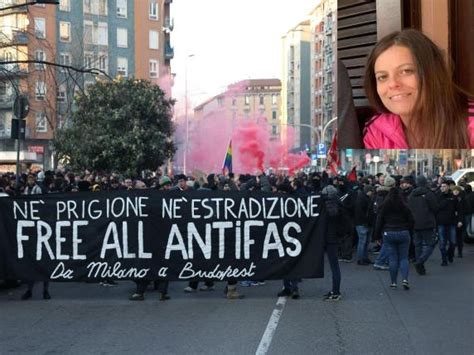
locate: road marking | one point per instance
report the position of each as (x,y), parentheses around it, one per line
(271,327)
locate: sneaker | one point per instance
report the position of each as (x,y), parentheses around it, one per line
(261,283)
(46,295)
(245,283)
(450,259)
(363,262)
(346,260)
(108,283)
(405,285)
(27,295)
(254,283)
(206,288)
(164,297)
(331,296)
(284,293)
(189,289)
(137,297)
(295,295)
(419,269)
(393,285)
(380,267)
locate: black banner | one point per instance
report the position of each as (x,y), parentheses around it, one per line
(149,234)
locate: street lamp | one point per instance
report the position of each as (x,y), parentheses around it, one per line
(186,112)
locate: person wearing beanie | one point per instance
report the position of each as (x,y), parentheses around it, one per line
(463,210)
(389,181)
(165,183)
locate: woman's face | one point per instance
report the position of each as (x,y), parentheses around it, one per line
(397,80)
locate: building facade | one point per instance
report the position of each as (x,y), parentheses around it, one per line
(323,70)
(114,38)
(257,99)
(296,86)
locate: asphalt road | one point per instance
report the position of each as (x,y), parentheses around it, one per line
(435,317)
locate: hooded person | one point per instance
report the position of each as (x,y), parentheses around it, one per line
(423,205)
(334,216)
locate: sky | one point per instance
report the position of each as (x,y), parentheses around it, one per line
(230,40)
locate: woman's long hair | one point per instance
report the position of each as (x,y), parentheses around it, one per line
(440,113)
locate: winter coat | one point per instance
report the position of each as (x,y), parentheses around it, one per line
(363,209)
(337,221)
(423,205)
(385,131)
(449,211)
(393,219)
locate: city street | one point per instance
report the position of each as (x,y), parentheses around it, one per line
(435,317)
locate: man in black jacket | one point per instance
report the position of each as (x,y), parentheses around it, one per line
(423,205)
(447,218)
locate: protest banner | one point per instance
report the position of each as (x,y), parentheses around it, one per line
(158,235)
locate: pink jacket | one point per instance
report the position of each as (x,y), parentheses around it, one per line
(385,131)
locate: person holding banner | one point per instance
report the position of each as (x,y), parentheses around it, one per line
(33,189)
(337,229)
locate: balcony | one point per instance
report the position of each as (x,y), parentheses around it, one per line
(169,51)
(13,70)
(168,25)
(21,9)
(19,38)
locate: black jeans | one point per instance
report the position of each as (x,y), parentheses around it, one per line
(331,252)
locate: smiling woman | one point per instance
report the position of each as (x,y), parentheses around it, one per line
(409,84)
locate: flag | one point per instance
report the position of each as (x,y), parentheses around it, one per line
(227,166)
(352,175)
(333,155)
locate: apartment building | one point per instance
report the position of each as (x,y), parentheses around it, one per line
(126,38)
(257,99)
(296,85)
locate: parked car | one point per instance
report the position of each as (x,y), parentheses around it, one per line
(466,174)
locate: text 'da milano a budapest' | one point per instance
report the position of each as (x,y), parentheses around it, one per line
(157,235)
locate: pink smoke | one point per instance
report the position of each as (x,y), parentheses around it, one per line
(253,146)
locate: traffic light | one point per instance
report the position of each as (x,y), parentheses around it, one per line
(21,107)
(18,130)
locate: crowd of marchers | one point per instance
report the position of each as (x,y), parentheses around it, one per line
(397,220)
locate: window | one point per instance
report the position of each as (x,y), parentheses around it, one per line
(261,99)
(153,68)
(40,27)
(103,34)
(5,91)
(274,99)
(103,60)
(274,115)
(88,32)
(96,33)
(41,123)
(64,59)
(153,10)
(122,66)
(153,40)
(103,7)
(62,96)
(122,37)
(274,130)
(87,4)
(40,55)
(234,101)
(88,60)
(65,5)
(122,8)
(247,100)
(220,101)
(65,31)
(40,90)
